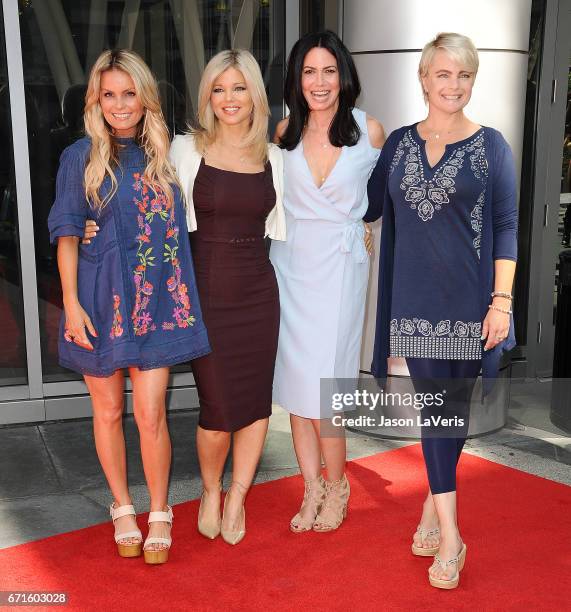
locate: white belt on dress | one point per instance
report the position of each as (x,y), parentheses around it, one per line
(353,241)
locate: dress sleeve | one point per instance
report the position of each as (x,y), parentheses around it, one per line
(70,208)
(504,202)
(377,188)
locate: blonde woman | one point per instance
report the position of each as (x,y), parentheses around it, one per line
(232,180)
(129,297)
(446,189)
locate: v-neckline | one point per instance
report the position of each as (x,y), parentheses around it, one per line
(422,146)
(319,187)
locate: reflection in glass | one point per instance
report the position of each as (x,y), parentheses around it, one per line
(526,199)
(60,41)
(13,369)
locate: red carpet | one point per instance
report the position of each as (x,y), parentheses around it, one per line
(517,528)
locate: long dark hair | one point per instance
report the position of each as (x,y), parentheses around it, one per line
(343,129)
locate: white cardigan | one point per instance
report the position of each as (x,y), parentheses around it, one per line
(186,160)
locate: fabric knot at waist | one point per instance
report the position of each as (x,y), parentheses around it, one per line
(353,241)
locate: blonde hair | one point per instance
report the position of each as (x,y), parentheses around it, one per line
(459,47)
(244,61)
(152,132)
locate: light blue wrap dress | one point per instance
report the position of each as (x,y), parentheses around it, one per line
(322,271)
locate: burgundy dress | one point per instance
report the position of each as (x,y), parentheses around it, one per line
(238,294)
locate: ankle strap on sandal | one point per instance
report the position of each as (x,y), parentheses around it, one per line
(119,511)
(161,516)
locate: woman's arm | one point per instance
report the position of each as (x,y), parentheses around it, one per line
(376,190)
(496,324)
(76,319)
(376,131)
(280,130)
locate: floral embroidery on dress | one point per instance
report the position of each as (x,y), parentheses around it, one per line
(141,317)
(427,196)
(116,327)
(153,206)
(460,329)
(443,340)
(476,221)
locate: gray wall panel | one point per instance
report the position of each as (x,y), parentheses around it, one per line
(410,24)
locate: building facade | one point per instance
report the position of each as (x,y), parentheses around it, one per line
(47,48)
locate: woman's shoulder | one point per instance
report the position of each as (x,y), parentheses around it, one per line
(78,150)
(182,147)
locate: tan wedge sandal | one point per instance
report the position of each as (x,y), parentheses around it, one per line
(425,551)
(313,496)
(124,549)
(156,557)
(334,508)
(458,561)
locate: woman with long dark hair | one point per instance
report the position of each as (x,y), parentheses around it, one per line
(322,269)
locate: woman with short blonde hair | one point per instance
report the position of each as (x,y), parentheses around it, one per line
(446,189)
(129,297)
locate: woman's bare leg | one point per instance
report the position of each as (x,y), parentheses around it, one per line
(107,401)
(149,403)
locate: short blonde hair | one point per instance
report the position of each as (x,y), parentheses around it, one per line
(152,131)
(459,47)
(245,62)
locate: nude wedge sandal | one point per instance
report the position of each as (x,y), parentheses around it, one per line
(156,557)
(126,550)
(458,561)
(425,551)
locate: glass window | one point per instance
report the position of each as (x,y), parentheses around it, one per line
(60,41)
(318,15)
(13,368)
(521,290)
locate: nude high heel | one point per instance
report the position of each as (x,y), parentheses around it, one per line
(314,495)
(209,529)
(126,550)
(231,536)
(156,557)
(334,509)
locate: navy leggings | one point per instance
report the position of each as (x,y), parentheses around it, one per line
(441,454)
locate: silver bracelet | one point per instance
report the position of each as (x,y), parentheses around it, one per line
(492,307)
(502,294)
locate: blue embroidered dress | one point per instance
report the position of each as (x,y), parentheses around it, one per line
(136,279)
(442,230)
(438,223)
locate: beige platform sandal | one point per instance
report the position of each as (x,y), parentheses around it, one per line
(313,496)
(425,551)
(156,557)
(126,550)
(334,508)
(458,561)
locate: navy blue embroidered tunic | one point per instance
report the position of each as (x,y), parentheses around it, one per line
(480,230)
(136,279)
(438,225)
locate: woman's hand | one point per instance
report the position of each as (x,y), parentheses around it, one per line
(91,229)
(369,241)
(76,320)
(496,326)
